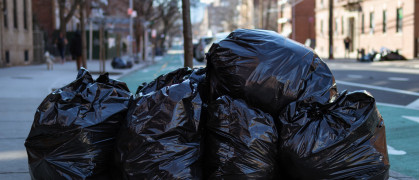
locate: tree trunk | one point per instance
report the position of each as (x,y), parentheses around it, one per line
(187,33)
(61,7)
(331,29)
(64,19)
(83,34)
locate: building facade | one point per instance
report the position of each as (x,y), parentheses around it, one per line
(16,42)
(44,13)
(296,20)
(370,25)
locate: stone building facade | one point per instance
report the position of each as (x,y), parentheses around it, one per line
(16,42)
(370,24)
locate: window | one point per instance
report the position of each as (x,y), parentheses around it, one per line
(25,14)
(399,20)
(384,21)
(321,3)
(5,13)
(14,14)
(372,26)
(336,25)
(363,24)
(7,54)
(343,26)
(26,53)
(321,26)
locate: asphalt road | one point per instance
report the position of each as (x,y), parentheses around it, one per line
(387,87)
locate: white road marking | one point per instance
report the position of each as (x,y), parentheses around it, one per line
(12,155)
(398,79)
(414,104)
(393,151)
(355,76)
(412,118)
(378,88)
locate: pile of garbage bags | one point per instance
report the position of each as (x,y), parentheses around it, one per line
(385,54)
(265,107)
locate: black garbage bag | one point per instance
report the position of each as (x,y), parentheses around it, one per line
(344,139)
(75,127)
(267,70)
(174,77)
(241,142)
(119,63)
(393,55)
(162,137)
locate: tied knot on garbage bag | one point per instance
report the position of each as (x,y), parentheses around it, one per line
(241,141)
(343,139)
(162,137)
(267,70)
(75,127)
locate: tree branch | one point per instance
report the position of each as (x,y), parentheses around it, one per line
(72,11)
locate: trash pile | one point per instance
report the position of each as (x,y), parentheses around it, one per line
(265,107)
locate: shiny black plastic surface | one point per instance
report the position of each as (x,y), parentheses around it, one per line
(75,127)
(267,70)
(162,137)
(241,142)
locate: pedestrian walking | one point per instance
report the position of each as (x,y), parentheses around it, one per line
(76,51)
(61,43)
(347,42)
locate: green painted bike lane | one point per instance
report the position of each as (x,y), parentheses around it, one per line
(170,62)
(402,132)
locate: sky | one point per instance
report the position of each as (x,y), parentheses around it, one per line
(197,13)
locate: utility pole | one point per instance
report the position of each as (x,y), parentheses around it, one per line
(130,29)
(187,33)
(331,29)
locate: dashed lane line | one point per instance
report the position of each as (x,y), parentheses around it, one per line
(398,79)
(378,88)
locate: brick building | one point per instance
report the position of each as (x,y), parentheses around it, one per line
(370,24)
(44,13)
(15,33)
(304,21)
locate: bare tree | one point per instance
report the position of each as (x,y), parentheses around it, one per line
(65,18)
(168,11)
(145,13)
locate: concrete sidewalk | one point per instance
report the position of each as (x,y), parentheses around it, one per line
(404,66)
(22,90)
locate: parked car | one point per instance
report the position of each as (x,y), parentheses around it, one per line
(205,43)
